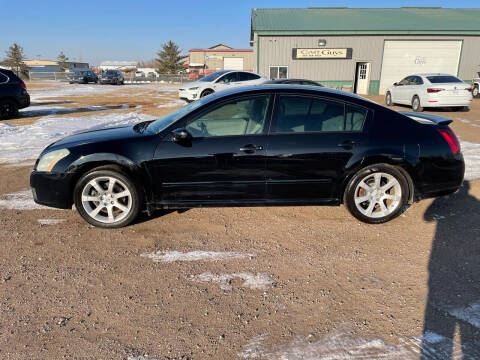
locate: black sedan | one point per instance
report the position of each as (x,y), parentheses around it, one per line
(114,77)
(255,146)
(83,77)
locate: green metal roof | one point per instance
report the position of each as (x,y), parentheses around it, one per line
(406,20)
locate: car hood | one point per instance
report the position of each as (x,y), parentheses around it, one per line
(195,84)
(97,136)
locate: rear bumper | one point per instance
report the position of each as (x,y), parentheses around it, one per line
(52,189)
(23,101)
(436,101)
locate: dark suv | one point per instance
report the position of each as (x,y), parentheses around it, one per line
(13,94)
(114,77)
(83,77)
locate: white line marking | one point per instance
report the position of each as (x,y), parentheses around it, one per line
(171,256)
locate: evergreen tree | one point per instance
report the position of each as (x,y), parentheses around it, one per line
(62,62)
(169,59)
(15,59)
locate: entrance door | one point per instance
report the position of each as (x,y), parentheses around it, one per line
(363,78)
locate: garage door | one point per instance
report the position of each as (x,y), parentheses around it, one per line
(233,63)
(403,58)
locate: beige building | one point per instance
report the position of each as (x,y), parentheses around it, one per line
(219,57)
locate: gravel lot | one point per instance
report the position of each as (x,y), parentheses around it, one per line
(231,283)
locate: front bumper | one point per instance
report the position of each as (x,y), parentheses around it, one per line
(188,95)
(52,189)
(108,81)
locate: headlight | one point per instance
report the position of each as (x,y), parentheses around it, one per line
(48,161)
(194,88)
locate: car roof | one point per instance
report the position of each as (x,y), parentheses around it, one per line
(432,74)
(305,89)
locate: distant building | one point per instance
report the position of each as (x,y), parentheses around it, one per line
(38,66)
(219,57)
(126,66)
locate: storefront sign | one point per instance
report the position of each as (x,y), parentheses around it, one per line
(306,54)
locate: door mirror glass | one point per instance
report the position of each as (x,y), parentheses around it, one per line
(181,135)
(395,84)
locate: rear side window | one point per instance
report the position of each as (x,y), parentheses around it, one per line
(437,79)
(303,114)
(3,78)
(244,76)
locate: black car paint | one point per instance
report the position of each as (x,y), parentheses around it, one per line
(287,169)
(12,90)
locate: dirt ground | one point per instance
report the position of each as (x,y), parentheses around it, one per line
(302,282)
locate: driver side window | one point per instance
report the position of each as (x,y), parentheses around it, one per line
(245,116)
(228,78)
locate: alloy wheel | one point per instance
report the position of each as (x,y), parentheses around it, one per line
(378,195)
(106,199)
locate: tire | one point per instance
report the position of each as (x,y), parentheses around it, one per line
(8,109)
(367,184)
(388,99)
(122,82)
(206,93)
(96,81)
(95,203)
(85,81)
(475,92)
(416,105)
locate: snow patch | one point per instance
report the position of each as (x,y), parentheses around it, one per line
(21,142)
(173,103)
(21,200)
(259,281)
(470,314)
(50,221)
(172,256)
(471,154)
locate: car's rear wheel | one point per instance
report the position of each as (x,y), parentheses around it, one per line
(475,91)
(377,194)
(416,105)
(206,92)
(388,99)
(107,198)
(8,109)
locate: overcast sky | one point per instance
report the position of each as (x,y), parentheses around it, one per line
(100,30)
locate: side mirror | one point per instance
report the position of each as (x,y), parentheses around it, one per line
(181,135)
(395,84)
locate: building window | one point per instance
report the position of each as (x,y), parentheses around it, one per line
(278,72)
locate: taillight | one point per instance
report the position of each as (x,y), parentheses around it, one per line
(434,90)
(451,139)
(23,86)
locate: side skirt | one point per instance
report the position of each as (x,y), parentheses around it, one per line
(244,203)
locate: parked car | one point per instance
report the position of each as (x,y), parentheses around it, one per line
(430,90)
(114,77)
(217,81)
(83,77)
(13,94)
(476,86)
(255,146)
(139,74)
(294,82)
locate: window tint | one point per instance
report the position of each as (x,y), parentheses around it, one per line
(443,79)
(404,81)
(244,76)
(302,114)
(244,116)
(418,80)
(354,118)
(3,78)
(231,77)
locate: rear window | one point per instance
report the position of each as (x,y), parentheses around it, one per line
(443,79)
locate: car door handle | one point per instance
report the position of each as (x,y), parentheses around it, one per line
(251,148)
(347,143)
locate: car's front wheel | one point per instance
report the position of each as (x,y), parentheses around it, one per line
(8,109)
(388,99)
(475,91)
(206,92)
(107,198)
(376,194)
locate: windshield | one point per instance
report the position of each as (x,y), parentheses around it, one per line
(111,72)
(213,76)
(166,121)
(443,79)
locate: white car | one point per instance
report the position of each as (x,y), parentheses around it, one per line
(217,81)
(430,90)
